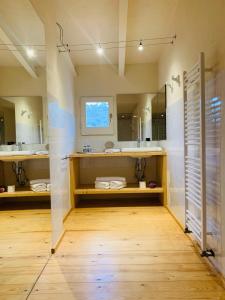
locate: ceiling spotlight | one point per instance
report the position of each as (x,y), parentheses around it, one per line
(99,50)
(140,46)
(30,52)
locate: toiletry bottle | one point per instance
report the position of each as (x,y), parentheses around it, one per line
(85,149)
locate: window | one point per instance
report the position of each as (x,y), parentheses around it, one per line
(96,116)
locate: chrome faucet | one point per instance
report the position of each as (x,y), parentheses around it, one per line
(138,142)
(19,145)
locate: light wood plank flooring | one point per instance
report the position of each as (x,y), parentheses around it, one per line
(24,250)
(117,253)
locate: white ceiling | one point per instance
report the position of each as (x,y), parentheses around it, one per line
(92,21)
(7,104)
(6,58)
(25,27)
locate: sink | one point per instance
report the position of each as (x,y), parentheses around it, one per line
(14,153)
(141,149)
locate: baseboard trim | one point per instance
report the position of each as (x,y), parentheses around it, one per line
(211,266)
(174,217)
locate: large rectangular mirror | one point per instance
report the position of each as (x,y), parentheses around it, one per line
(21,120)
(141,116)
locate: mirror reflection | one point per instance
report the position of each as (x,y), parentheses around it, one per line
(21,120)
(141,117)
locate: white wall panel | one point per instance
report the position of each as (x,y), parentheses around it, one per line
(61,116)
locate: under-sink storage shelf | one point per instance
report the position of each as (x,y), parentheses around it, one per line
(24,193)
(130,189)
(78,189)
(21,192)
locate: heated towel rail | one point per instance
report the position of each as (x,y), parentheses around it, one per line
(195,153)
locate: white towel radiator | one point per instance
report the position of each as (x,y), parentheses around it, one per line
(194,153)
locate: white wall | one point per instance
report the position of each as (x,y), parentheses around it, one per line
(15,81)
(103,80)
(197,30)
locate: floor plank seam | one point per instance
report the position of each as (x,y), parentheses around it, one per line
(39,275)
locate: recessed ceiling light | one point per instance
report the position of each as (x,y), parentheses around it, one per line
(30,52)
(140,47)
(99,50)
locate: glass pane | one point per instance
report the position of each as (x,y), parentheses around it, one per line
(97,114)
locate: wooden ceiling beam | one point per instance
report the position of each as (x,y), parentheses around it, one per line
(11,41)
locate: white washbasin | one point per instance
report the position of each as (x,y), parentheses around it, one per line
(141,149)
(14,153)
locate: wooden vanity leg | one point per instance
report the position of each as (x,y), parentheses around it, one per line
(74,180)
(1,173)
(164,179)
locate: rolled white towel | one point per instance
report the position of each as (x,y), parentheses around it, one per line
(108,179)
(36,181)
(117,185)
(102,185)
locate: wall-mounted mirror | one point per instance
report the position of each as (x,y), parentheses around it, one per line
(141,116)
(21,120)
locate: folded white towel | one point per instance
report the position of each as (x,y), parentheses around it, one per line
(102,185)
(36,181)
(117,185)
(39,185)
(108,179)
(112,150)
(49,187)
(41,152)
(38,188)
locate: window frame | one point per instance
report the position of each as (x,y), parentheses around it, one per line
(99,130)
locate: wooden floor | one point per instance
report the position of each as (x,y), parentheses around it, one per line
(108,253)
(24,249)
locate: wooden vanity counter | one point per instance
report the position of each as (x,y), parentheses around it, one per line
(87,189)
(118,154)
(23,157)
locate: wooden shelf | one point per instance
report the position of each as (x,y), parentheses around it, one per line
(23,157)
(117,154)
(131,189)
(24,193)
(76,189)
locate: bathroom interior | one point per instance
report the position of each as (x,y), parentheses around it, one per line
(111,162)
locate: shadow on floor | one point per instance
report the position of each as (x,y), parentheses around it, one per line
(122,202)
(24,204)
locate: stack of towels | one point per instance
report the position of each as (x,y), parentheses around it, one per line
(40,185)
(115,183)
